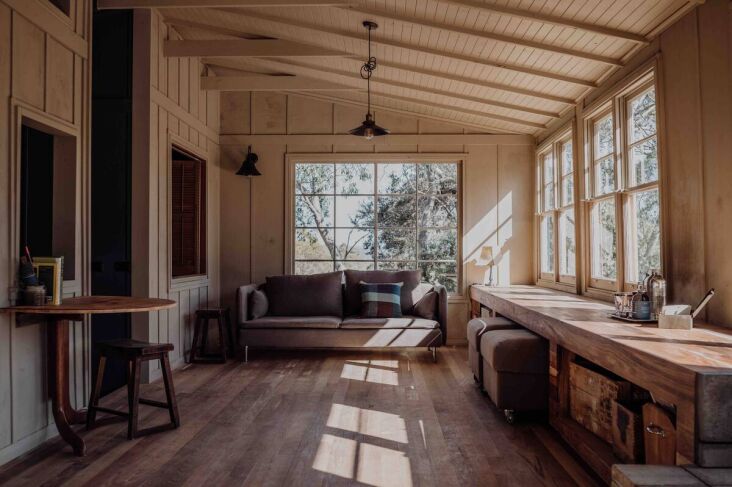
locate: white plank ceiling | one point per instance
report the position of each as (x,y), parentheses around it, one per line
(499,66)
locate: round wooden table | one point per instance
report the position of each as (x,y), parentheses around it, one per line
(57,318)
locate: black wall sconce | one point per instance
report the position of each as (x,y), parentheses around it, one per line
(248,167)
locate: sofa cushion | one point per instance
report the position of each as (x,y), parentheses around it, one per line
(360,323)
(426,307)
(294,322)
(381,300)
(258,304)
(410,279)
(518,351)
(313,295)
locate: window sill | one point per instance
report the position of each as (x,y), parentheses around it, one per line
(600,294)
(188,282)
(559,286)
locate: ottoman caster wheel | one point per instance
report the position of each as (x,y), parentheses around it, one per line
(510,415)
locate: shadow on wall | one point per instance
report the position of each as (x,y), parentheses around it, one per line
(495,229)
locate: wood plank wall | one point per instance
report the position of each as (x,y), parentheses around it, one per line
(695,121)
(497,196)
(169,107)
(44,76)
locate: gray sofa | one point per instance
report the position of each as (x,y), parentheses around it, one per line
(323,311)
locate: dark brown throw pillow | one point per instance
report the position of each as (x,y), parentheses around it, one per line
(311,295)
(425,307)
(258,304)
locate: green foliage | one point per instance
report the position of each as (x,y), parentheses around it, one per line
(415,205)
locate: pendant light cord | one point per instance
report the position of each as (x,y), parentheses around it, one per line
(367,70)
(368,80)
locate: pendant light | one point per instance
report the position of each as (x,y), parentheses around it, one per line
(248,167)
(368,129)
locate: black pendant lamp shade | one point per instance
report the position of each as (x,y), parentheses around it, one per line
(248,167)
(368,129)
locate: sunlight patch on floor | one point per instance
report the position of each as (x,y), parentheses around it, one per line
(366,463)
(336,456)
(370,374)
(391,364)
(383,467)
(368,422)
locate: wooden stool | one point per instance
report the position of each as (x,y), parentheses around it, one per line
(200,336)
(134,352)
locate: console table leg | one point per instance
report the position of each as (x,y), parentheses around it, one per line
(58,385)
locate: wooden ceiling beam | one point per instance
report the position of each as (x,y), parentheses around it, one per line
(488,36)
(444,106)
(478,82)
(127,4)
(551,19)
(399,111)
(313,70)
(244,48)
(403,67)
(412,47)
(264,82)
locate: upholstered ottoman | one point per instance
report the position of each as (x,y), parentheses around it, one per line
(515,370)
(476,328)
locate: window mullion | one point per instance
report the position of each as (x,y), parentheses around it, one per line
(376,215)
(620,199)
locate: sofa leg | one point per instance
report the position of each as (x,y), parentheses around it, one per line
(510,415)
(434,353)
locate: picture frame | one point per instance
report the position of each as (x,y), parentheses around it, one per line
(50,272)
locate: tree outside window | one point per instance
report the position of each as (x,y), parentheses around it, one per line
(368,215)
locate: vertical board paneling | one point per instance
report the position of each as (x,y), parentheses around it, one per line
(183,79)
(5,331)
(29,62)
(59,80)
(185,338)
(684,170)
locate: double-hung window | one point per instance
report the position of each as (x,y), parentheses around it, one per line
(622,188)
(387,214)
(556,215)
(602,202)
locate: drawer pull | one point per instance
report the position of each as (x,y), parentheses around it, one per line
(654,429)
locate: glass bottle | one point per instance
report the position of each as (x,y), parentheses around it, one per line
(657,291)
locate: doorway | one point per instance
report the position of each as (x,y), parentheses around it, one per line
(111,169)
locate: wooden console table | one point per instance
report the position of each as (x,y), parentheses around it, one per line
(57,319)
(668,363)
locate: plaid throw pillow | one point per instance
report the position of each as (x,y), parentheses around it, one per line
(381,300)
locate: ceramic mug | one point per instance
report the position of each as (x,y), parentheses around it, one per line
(642,310)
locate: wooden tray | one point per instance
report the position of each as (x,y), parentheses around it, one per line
(630,320)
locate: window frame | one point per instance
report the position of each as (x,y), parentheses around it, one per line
(554,145)
(177,143)
(617,103)
(292,159)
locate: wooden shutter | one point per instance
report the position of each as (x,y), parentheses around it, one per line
(187,229)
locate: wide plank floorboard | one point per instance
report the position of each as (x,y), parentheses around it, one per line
(313,418)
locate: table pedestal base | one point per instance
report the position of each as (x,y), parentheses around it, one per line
(58,385)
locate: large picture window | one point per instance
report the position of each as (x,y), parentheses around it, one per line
(623,194)
(378,215)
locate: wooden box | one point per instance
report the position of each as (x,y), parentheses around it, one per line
(591,395)
(659,435)
(627,433)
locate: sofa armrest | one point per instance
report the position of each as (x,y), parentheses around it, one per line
(242,302)
(441,310)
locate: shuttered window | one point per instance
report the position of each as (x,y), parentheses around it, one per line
(188,210)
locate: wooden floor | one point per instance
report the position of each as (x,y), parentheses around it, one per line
(314,418)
